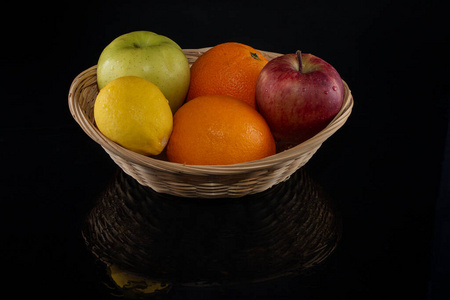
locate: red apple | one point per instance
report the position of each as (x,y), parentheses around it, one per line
(298,95)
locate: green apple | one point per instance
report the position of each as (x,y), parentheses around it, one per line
(151,56)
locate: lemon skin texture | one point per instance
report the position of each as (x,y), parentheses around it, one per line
(134,113)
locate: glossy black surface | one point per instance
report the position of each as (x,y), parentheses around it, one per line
(366,218)
(282,231)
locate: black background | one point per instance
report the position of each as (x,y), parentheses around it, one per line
(387,167)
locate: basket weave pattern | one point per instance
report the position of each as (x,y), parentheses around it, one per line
(191,180)
(282,231)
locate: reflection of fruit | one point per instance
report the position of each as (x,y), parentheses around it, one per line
(134,113)
(230,69)
(148,55)
(134,284)
(298,95)
(219,130)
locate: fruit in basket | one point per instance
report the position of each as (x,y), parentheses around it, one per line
(218,130)
(134,113)
(298,95)
(230,69)
(148,55)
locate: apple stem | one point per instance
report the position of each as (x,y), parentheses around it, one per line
(300,64)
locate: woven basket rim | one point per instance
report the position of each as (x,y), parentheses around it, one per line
(167,166)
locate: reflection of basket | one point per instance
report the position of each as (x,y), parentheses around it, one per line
(282,231)
(191,180)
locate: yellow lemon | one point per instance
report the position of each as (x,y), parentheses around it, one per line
(134,113)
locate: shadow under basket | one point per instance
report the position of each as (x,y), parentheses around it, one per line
(198,181)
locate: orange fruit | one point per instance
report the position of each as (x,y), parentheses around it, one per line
(218,130)
(227,69)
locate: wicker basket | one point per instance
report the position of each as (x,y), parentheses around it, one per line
(222,181)
(283,231)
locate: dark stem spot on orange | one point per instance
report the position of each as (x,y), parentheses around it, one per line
(255,55)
